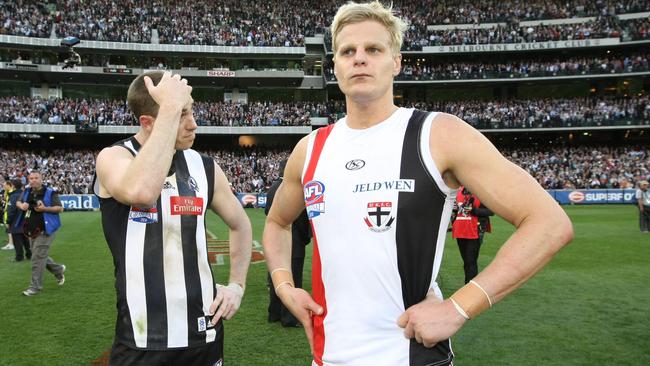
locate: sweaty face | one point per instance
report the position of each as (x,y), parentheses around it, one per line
(364,63)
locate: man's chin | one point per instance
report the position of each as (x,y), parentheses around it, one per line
(184,145)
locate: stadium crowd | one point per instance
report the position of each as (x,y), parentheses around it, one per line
(541,113)
(584,167)
(258,113)
(514,113)
(287,23)
(71,171)
(36,110)
(422,70)
(602,27)
(253,169)
(525,68)
(67,170)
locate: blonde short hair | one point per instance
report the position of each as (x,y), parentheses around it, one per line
(351,13)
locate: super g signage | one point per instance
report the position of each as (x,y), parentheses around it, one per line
(87,202)
(249,200)
(593,196)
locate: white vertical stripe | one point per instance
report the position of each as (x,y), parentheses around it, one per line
(135,293)
(197,171)
(310,147)
(440,244)
(174,270)
(425,154)
(129,145)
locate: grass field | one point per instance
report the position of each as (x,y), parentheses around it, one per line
(590,306)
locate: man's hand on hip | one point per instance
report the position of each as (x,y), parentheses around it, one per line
(227,302)
(302,306)
(430,321)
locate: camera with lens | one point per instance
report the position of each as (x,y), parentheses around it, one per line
(73,58)
(33,202)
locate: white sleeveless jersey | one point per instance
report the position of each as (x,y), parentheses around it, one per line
(379,211)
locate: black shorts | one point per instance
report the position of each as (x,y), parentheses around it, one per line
(209,355)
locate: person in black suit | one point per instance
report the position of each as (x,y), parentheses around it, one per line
(300,237)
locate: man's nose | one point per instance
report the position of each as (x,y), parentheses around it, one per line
(360,57)
(191,124)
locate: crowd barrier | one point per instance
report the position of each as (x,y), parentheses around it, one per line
(85,202)
(592,196)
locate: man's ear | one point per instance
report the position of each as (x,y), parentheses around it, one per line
(397,60)
(146,122)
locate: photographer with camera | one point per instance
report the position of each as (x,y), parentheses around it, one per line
(41,206)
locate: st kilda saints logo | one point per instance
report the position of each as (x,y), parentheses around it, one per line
(355,164)
(379,217)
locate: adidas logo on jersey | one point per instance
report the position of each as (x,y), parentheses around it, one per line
(168,185)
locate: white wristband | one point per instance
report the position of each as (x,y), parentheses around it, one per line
(459,309)
(481,288)
(236,288)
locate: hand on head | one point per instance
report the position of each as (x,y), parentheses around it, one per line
(172,90)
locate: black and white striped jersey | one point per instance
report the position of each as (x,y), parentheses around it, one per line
(163,277)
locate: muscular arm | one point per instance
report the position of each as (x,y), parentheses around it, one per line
(287,204)
(542,227)
(466,157)
(138,181)
(228,299)
(226,205)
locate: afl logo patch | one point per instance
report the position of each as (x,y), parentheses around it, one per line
(314,198)
(314,191)
(355,164)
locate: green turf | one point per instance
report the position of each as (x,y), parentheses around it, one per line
(588,307)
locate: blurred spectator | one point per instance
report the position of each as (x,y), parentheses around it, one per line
(91,112)
(24,18)
(584,167)
(535,113)
(70,171)
(538,113)
(253,169)
(435,69)
(287,23)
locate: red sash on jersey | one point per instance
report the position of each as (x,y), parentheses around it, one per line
(318,289)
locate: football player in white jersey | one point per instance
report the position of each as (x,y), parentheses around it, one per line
(366,40)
